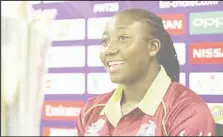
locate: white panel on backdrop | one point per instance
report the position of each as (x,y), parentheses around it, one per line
(65,83)
(207,83)
(69,29)
(66,56)
(93,56)
(95,27)
(99,83)
(182,79)
(217,112)
(181,52)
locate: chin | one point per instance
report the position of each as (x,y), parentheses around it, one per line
(117,79)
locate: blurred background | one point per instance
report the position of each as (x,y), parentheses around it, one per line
(50,58)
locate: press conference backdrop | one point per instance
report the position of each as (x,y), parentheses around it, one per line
(75,70)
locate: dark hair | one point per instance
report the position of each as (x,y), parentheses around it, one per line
(167,55)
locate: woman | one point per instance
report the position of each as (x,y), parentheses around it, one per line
(139,55)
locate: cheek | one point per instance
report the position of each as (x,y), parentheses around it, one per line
(136,54)
(137,58)
(102,56)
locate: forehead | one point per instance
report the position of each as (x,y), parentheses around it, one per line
(123,23)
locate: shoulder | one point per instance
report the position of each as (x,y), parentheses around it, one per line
(180,94)
(181,100)
(95,104)
(98,99)
(90,112)
(188,111)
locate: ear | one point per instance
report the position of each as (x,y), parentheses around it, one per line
(154,47)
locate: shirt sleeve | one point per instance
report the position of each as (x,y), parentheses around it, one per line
(79,129)
(81,120)
(192,120)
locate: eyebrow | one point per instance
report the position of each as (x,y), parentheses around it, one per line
(118,28)
(122,27)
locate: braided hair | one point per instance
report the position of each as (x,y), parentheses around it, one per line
(167,56)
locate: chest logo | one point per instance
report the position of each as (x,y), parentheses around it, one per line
(147,129)
(94,128)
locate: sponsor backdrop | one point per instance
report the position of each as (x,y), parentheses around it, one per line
(75,70)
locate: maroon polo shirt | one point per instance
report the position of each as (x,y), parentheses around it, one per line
(168,109)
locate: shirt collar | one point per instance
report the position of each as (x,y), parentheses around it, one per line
(149,103)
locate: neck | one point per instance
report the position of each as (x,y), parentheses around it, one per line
(134,92)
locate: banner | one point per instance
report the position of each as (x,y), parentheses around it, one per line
(75,70)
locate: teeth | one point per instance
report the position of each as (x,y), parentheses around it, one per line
(115,63)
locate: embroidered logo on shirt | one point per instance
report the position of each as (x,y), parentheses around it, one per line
(147,129)
(95,128)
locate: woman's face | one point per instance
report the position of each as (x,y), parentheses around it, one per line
(124,52)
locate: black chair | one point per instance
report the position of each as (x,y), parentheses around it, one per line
(219,129)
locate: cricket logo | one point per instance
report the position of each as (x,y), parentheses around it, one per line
(147,129)
(95,128)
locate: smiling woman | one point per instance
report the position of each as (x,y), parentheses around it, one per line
(139,55)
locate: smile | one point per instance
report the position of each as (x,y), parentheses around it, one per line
(114,65)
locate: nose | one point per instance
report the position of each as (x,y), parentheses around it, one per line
(111,49)
(110,52)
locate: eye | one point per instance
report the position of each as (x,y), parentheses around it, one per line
(123,37)
(104,41)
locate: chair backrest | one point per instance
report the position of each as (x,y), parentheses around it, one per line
(219,129)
